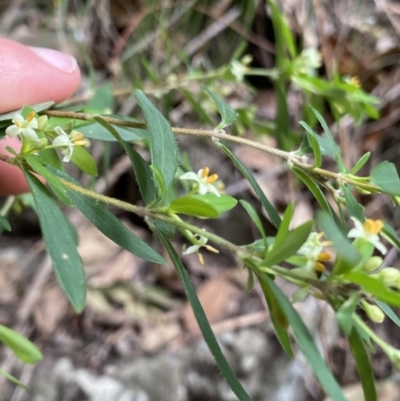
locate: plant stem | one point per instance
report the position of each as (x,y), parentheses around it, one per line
(291,157)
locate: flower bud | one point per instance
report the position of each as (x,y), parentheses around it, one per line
(373,312)
(42,122)
(41,144)
(372,263)
(389,276)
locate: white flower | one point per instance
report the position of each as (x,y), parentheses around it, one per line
(238,70)
(201,242)
(203,180)
(24,126)
(312,250)
(368,231)
(63,141)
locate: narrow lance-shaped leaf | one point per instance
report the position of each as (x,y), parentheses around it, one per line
(4,224)
(328,133)
(306,344)
(20,345)
(313,140)
(203,323)
(292,243)
(163,146)
(60,244)
(272,213)
(143,173)
(277,316)
(98,214)
(228,115)
(255,218)
(317,192)
(374,287)
(364,367)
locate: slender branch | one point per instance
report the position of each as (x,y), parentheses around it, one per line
(291,157)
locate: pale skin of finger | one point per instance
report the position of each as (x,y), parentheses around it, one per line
(29,76)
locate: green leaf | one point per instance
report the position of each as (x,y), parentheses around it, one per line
(163,146)
(272,213)
(97,131)
(284,227)
(55,184)
(316,191)
(50,156)
(328,133)
(364,367)
(313,139)
(278,317)
(228,115)
(343,248)
(255,218)
(84,161)
(102,100)
(374,287)
(13,379)
(345,313)
(292,243)
(161,186)
(203,323)
(283,35)
(60,244)
(23,349)
(389,233)
(37,107)
(192,206)
(386,178)
(389,312)
(221,203)
(355,209)
(143,173)
(4,224)
(98,214)
(306,344)
(360,164)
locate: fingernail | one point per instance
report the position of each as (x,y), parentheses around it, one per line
(62,61)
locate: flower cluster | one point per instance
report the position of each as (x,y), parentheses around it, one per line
(203,180)
(28,128)
(199,242)
(368,231)
(312,250)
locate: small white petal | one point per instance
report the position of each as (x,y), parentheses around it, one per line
(33,123)
(61,141)
(190,176)
(18,118)
(30,133)
(212,190)
(191,249)
(13,130)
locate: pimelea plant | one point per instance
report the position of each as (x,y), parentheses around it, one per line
(353,246)
(299,255)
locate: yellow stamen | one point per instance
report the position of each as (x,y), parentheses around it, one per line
(205,172)
(323,257)
(200,257)
(211,249)
(77,136)
(212,178)
(82,142)
(356,82)
(319,267)
(373,226)
(30,116)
